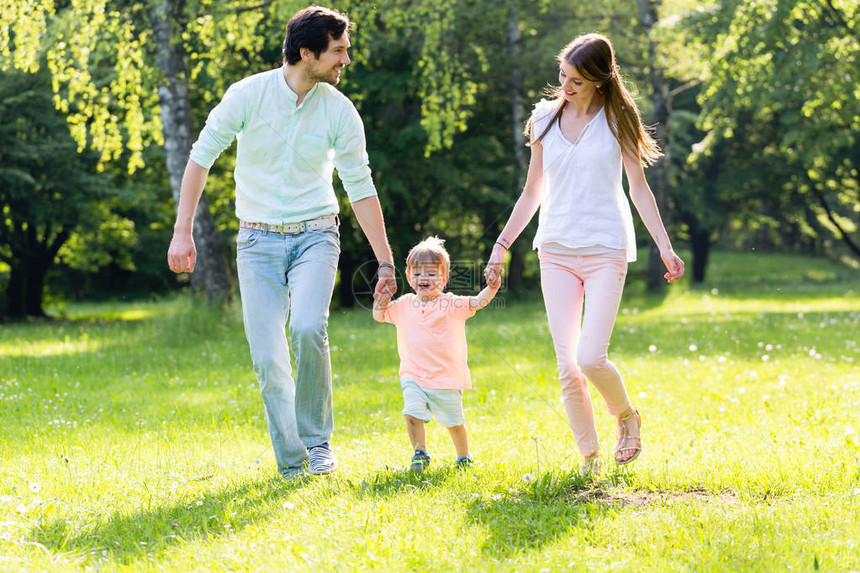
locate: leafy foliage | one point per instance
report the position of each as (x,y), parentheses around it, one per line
(47,189)
(780,90)
(763,153)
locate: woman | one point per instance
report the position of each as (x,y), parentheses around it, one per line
(579,140)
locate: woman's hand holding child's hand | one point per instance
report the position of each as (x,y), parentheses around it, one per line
(674,265)
(493,276)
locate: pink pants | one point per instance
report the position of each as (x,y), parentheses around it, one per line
(581,339)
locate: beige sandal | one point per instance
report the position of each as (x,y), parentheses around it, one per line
(626,434)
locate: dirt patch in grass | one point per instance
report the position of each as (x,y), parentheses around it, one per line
(647,498)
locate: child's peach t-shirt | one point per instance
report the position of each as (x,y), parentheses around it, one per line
(431,339)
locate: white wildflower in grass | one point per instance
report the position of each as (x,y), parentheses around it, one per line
(693,348)
(652,348)
(289,505)
(35,487)
(528,478)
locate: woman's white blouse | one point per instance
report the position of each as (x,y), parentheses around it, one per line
(583,204)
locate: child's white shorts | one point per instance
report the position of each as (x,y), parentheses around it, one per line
(424,403)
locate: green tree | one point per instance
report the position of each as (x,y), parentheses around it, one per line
(48,190)
(786,73)
(457,168)
(123,74)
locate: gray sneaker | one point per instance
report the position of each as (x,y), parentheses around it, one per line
(420,461)
(321,460)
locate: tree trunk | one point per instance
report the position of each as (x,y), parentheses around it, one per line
(45,252)
(35,291)
(516,265)
(210,277)
(843,234)
(661,96)
(516,88)
(25,292)
(764,242)
(701,244)
(16,292)
(348,266)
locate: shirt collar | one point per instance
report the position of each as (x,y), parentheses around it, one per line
(292,97)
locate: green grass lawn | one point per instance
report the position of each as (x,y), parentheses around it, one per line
(133,438)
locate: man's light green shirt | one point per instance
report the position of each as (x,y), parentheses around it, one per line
(286,153)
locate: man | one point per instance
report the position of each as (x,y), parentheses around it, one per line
(293,128)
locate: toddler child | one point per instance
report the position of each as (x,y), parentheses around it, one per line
(431,341)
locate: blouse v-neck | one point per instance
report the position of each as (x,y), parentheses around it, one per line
(581,133)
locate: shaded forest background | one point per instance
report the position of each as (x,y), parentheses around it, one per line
(756,104)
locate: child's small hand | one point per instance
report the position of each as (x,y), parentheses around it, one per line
(382,300)
(493,276)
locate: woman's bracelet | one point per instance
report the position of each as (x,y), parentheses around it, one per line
(504,246)
(386,264)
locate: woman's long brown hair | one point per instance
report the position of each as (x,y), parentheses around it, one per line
(593,56)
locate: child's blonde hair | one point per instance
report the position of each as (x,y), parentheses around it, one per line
(430,251)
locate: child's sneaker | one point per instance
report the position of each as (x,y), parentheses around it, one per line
(464,462)
(420,461)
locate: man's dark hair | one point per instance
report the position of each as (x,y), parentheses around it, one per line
(310,28)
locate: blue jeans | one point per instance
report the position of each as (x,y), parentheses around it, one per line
(289,279)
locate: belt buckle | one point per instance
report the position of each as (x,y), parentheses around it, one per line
(302,226)
(285,229)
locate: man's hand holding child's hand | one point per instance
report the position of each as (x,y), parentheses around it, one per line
(382,300)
